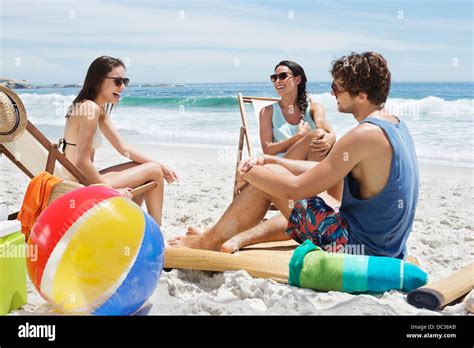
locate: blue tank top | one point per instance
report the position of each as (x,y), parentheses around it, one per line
(283,130)
(382,223)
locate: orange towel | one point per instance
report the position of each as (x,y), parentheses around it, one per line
(36,200)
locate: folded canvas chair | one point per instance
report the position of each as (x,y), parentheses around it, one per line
(258,103)
(32,152)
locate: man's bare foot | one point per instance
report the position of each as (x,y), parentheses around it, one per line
(194,231)
(193,242)
(232,245)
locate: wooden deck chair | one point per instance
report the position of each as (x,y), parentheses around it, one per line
(33,153)
(258,103)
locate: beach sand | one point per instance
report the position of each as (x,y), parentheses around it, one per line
(442,239)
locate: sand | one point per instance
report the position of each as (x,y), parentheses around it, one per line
(442,239)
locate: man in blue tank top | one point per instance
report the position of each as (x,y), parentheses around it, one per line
(376,160)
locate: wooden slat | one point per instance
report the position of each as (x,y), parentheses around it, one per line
(243,114)
(239,156)
(36,133)
(51,161)
(12,158)
(248,99)
(144,188)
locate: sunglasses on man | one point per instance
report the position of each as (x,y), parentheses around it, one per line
(281,76)
(335,89)
(119,80)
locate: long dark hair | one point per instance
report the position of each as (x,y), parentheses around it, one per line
(297,70)
(96,74)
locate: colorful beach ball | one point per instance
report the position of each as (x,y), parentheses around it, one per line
(97,253)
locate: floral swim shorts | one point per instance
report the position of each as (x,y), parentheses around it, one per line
(313,219)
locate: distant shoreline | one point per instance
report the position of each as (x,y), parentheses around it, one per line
(179,84)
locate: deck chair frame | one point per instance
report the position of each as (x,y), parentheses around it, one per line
(244,137)
(54,155)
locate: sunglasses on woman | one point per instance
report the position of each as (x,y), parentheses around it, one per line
(281,76)
(119,80)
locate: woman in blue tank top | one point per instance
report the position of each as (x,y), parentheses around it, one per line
(295,127)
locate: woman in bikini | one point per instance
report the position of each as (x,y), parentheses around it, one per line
(89,117)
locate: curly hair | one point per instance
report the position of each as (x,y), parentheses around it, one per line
(366,72)
(297,70)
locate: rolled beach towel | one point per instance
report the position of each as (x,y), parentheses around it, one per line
(311,267)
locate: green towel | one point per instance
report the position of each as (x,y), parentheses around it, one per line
(311,267)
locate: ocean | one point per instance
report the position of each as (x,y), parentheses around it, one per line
(439,115)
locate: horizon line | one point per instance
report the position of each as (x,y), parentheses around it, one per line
(153,84)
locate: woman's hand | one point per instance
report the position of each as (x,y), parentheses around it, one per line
(169,174)
(323,143)
(125,192)
(303,128)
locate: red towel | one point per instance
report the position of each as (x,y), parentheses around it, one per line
(36,200)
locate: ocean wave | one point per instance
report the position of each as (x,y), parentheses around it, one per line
(199,102)
(399,106)
(412,107)
(46,99)
(142,101)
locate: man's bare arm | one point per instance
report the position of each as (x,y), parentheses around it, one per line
(296,167)
(346,153)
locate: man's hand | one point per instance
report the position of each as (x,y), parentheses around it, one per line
(323,143)
(243,167)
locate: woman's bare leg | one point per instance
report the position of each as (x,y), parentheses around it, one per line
(246,211)
(118,168)
(301,150)
(133,174)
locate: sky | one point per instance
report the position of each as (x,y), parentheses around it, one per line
(54,41)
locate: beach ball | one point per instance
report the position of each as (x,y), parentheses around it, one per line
(95,252)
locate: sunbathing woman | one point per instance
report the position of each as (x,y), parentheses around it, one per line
(89,117)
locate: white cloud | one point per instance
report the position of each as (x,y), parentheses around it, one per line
(210,36)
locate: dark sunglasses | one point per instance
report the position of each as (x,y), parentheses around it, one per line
(281,76)
(335,91)
(119,80)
